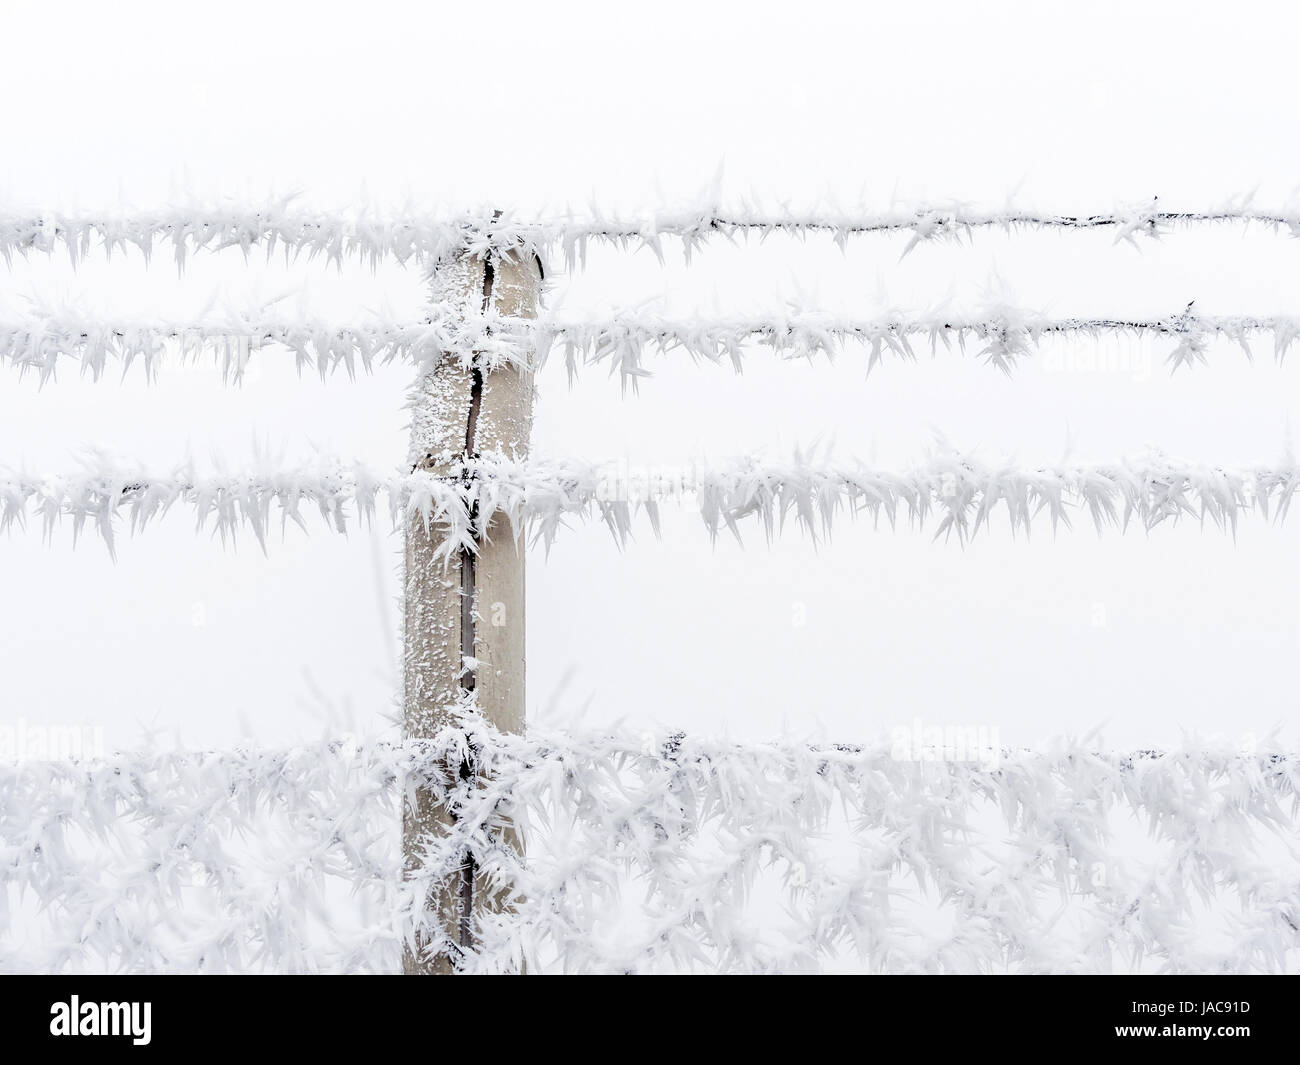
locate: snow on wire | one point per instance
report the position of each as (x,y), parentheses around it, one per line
(38,339)
(656,851)
(953,493)
(1003,334)
(43,339)
(281,224)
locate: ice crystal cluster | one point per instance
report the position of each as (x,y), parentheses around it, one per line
(652,851)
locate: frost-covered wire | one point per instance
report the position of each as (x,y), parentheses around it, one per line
(276,225)
(371,235)
(1002,334)
(39,339)
(42,340)
(951,493)
(658,850)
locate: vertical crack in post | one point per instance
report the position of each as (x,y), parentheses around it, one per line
(468,642)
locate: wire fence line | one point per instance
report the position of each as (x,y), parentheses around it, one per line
(39,340)
(948,493)
(282,225)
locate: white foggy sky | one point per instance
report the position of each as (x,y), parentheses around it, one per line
(539,107)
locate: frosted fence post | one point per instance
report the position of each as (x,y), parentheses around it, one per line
(472,608)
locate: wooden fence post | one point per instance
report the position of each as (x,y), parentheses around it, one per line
(474,607)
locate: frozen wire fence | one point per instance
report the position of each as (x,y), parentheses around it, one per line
(659,850)
(281,225)
(39,340)
(955,494)
(653,851)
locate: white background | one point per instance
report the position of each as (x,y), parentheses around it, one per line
(540,107)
